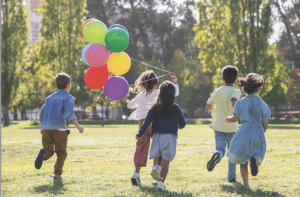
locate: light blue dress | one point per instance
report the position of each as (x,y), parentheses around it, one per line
(249,141)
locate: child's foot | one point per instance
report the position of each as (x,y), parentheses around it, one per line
(234,180)
(213,161)
(160,186)
(253,166)
(135,179)
(39,159)
(156,172)
(55,178)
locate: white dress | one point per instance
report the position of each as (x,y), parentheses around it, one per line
(143,103)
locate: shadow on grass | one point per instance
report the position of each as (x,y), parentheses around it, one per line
(239,188)
(56,188)
(153,192)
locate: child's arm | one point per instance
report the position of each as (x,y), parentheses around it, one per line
(74,121)
(41,116)
(174,80)
(232,118)
(69,108)
(233,101)
(265,125)
(209,107)
(145,125)
(181,119)
(133,103)
(41,128)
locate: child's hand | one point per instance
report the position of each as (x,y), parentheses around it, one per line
(41,132)
(136,137)
(174,78)
(80,129)
(227,120)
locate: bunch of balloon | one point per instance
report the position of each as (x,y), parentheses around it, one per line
(105,52)
(95,54)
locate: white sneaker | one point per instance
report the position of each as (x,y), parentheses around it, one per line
(135,179)
(160,186)
(155,172)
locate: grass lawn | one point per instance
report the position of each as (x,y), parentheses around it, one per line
(100,163)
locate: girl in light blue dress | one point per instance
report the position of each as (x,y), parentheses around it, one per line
(249,143)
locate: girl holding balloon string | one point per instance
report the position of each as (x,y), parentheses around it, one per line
(147,94)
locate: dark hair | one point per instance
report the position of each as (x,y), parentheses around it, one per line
(230,73)
(61,80)
(251,83)
(147,86)
(166,98)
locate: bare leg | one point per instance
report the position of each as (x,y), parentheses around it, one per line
(137,169)
(244,172)
(155,161)
(159,160)
(164,170)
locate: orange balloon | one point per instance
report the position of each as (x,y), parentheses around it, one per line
(84,24)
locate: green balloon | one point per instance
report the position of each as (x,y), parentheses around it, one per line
(95,32)
(116,40)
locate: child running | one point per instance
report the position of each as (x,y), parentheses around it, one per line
(249,143)
(147,96)
(166,118)
(54,130)
(221,104)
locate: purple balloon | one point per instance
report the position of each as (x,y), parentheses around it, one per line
(116,88)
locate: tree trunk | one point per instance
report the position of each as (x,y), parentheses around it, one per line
(6,115)
(15,113)
(102,115)
(94,113)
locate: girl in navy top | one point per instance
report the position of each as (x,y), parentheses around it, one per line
(166,118)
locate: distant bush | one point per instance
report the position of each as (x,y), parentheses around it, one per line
(35,123)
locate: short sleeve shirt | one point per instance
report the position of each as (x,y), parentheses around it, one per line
(221,100)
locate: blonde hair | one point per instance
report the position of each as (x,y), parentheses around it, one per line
(146,86)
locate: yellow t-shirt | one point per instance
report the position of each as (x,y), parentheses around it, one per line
(221,100)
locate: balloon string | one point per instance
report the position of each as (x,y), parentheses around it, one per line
(150,65)
(150,79)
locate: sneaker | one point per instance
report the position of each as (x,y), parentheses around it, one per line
(55,178)
(160,186)
(135,179)
(39,159)
(234,180)
(253,166)
(155,172)
(213,161)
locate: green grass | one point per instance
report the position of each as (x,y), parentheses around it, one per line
(100,163)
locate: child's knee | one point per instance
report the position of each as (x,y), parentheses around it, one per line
(48,155)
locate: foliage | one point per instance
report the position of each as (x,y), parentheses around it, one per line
(234,32)
(13,41)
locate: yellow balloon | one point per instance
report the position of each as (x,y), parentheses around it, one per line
(119,63)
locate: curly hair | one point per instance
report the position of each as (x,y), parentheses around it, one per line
(148,85)
(251,83)
(166,98)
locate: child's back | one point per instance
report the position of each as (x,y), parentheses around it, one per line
(222,101)
(56,109)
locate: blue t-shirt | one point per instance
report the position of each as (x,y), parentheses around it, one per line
(58,106)
(164,124)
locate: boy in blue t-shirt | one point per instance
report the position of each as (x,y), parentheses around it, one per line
(54,130)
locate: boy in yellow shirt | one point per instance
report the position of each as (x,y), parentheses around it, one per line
(221,104)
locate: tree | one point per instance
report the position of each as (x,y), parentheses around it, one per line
(14,33)
(236,32)
(61,45)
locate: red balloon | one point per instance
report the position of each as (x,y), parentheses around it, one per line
(96,77)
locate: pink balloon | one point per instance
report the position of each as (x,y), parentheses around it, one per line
(96,55)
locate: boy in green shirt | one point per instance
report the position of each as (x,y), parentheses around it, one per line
(221,104)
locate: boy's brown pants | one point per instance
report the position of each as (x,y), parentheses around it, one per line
(59,139)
